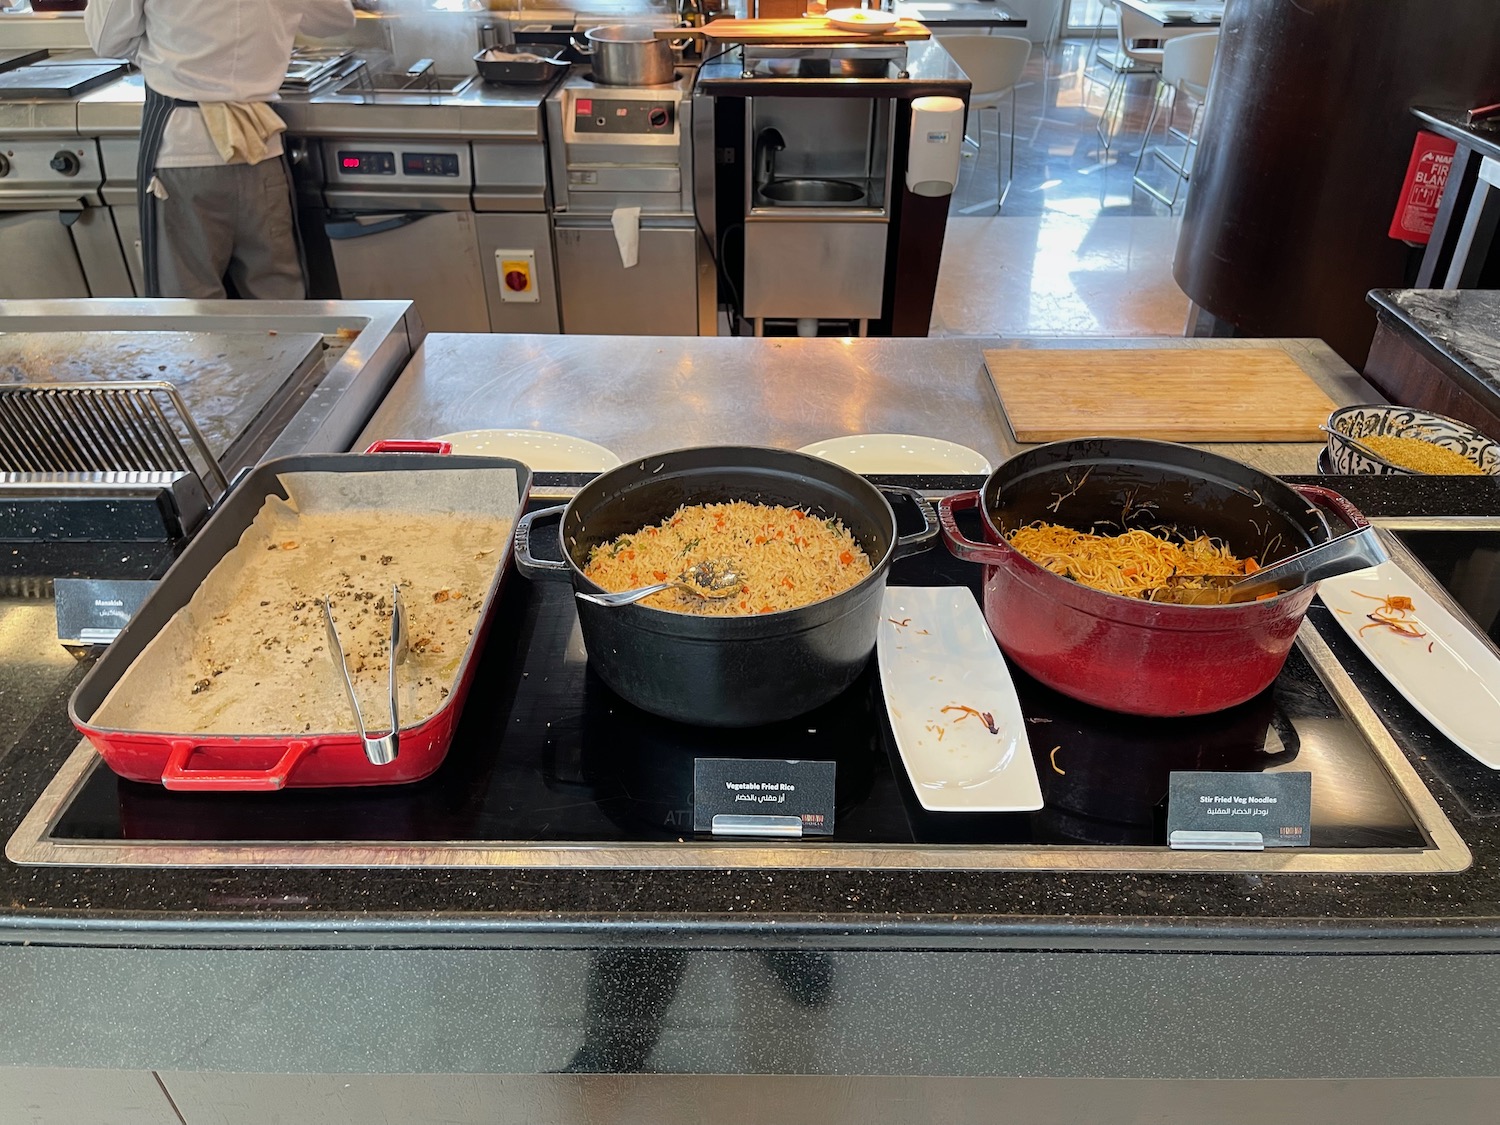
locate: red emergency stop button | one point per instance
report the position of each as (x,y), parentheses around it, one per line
(516,270)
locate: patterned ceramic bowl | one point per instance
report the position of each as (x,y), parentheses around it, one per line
(1402,421)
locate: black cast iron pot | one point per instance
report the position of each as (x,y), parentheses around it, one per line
(727,671)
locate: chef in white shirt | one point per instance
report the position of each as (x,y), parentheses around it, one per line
(214,190)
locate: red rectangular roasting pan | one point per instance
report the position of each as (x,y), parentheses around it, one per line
(269,762)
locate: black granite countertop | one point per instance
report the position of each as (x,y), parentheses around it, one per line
(1458,328)
(837,909)
(930,71)
(1483,137)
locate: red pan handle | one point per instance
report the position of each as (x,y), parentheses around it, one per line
(176,775)
(958,544)
(1327,498)
(396,445)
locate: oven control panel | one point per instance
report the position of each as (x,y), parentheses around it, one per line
(615,117)
(400,163)
(353,163)
(368,164)
(429,163)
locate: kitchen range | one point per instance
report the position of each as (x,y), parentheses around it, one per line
(630,257)
(438,196)
(60,238)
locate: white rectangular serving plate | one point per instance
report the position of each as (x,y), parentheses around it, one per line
(936,651)
(1455,683)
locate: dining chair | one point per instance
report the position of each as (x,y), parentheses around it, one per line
(1187,66)
(994,64)
(1131,31)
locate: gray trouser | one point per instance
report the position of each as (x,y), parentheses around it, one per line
(234,220)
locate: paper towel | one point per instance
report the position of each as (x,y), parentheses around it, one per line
(627,224)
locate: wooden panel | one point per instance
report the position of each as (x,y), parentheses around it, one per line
(1241,394)
(793,31)
(1406,375)
(780,9)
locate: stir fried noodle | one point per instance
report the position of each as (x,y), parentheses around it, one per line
(1132,564)
(787,557)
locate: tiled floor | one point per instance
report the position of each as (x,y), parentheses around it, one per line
(1074,251)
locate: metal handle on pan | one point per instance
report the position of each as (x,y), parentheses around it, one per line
(400,445)
(527,563)
(918,541)
(960,545)
(176,775)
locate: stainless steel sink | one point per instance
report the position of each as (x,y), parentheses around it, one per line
(812,192)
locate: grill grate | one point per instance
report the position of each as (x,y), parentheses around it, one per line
(93,427)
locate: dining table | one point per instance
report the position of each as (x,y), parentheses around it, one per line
(940,15)
(1178,16)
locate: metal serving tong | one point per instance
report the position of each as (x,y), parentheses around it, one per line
(380,750)
(1354,550)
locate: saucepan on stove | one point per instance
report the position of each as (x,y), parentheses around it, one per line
(738,670)
(628,54)
(1125,653)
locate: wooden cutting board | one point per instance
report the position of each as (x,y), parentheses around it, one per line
(797,31)
(1178,394)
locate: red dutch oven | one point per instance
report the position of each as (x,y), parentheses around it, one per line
(1126,654)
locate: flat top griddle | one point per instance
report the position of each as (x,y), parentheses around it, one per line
(227,379)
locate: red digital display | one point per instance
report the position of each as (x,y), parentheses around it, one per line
(351,162)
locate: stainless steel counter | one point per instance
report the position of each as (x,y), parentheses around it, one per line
(477,111)
(641,395)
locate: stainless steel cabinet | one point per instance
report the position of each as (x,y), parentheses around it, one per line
(102,253)
(428,257)
(814,269)
(40,259)
(656,297)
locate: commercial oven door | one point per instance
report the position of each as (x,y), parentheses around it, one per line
(428,257)
(658,296)
(40,259)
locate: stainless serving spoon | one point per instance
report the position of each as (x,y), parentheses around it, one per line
(711,578)
(1353,550)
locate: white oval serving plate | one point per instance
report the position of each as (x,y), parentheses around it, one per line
(542,450)
(935,652)
(862,19)
(900,453)
(1448,674)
